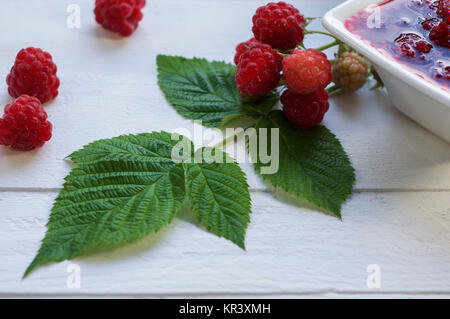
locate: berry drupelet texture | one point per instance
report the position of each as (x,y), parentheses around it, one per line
(306,71)
(279,25)
(243,47)
(305,110)
(412,45)
(350,71)
(440,35)
(443,10)
(34,74)
(24,125)
(120,16)
(258,70)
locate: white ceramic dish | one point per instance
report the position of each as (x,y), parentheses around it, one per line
(423,101)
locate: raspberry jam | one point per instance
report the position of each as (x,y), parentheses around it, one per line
(413,32)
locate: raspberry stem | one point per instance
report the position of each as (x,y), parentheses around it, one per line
(223,144)
(329,45)
(332,90)
(321,32)
(309,20)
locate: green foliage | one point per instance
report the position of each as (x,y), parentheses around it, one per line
(219,195)
(127,187)
(203,90)
(313,165)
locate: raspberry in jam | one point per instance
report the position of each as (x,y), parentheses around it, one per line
(414,32)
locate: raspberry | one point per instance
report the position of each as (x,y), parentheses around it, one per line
(33,73)
(121,16)
(443,10)
(258,71)
(429,24)
(440,35)
(306,71)
(24,125)
(408,44)
(305,110)
(280,25)
(244,47)
(350,71)
(441,70)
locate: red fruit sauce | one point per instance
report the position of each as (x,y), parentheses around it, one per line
(413,32)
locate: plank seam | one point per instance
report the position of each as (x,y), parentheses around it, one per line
(252,190)
(231,294)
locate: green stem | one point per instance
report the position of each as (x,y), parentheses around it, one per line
(230,138)
(309,20)
(329,45)
(321,32)
(302,46)
(333,90)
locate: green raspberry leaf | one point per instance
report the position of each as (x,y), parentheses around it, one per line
(312,164)
(123,189)
(219,195)
(147,147)
(203,90)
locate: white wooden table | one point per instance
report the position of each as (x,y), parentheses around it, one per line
(398,217)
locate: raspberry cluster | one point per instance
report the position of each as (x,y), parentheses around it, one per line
(306,72)
(32,81)
(24,125)
(120,16)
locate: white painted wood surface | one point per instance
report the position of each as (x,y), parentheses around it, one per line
(398,218)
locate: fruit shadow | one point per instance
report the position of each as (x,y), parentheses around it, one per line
(17,159)
(101,34)
(290,199)
(349,104)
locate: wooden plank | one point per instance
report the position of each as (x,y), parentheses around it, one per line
(290,251)
(109,88)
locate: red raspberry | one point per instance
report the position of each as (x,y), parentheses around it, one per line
(305,110)
(244,47)
(306,71)
(440,35)
(24,125)
(443,10)
(408,44)
(429,24)
(441,70)
(258,71)
(280,25)
(121,16)
(33,73)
